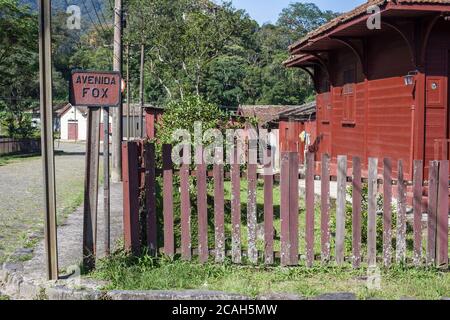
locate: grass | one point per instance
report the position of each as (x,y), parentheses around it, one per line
(3,297)
(317,226)
(7,159)
(146,273)
(12,158)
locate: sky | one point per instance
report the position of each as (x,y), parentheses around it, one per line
(268,10)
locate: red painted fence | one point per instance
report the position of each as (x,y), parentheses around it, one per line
(141,174)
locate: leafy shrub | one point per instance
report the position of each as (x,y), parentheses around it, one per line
(182,114)
(18,125)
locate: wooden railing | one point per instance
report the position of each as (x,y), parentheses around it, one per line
(140,182)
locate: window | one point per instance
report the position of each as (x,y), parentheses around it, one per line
(324,105)
(348,94)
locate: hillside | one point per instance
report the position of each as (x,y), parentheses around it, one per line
(61,5)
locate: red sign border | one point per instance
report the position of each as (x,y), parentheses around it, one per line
(71,93)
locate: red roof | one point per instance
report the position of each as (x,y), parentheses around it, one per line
(362,11)
(264,113)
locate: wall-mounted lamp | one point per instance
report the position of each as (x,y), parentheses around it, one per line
(409,78)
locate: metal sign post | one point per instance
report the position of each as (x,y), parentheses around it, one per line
(106,186)
(91,188)
(45,68)
(96,90)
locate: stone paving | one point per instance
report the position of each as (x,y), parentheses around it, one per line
(70,236)
(21,207)
(21,194)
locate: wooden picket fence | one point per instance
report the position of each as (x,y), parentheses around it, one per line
(19,146)
(140,173)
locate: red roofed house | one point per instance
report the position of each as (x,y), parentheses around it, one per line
(264,115)
(382,92)
(285,123)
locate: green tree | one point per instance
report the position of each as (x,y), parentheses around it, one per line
(93,51)
(192,47)
(224,80)
(183,38)
(300,18)
(19,87)
(183,114)
(283,86)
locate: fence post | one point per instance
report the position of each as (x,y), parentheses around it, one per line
(202,207)
(340,208)
(417,208)
(91,188)
(219,205)
(442,216)
(186,244)
(251,213)
(235,206)
(284,209)
(401,218)
(356,206)
(325,209)
(293,206)
(131,196)
(432,211)
(268,207)
(387,212)
(372,213)
(309,199)
(169,244)
(150,189)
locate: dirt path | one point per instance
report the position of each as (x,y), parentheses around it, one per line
(21,197)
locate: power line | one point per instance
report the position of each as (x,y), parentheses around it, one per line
(98,17)
(111,6)
(103,16)
(101,13)
(92,20)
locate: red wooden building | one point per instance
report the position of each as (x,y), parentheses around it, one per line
(382,92)
(286,122)
(291,123)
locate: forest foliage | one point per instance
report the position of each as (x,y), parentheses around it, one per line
(192,47)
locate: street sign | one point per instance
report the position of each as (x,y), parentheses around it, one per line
(95,88)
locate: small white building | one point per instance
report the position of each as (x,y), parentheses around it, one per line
(73,122)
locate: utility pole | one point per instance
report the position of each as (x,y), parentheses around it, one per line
(132,121)
(141,92)
(117,132)
(48,159)
(128,92)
